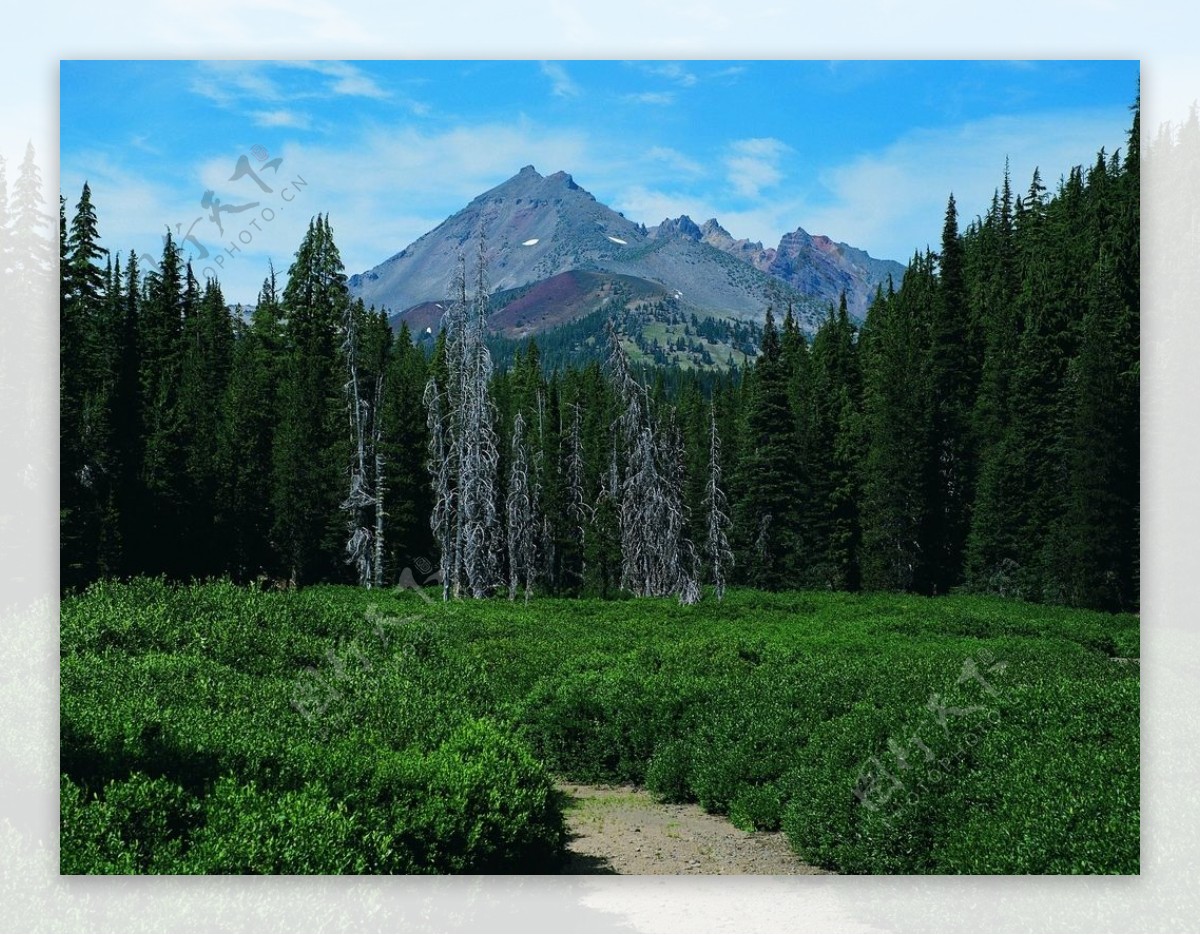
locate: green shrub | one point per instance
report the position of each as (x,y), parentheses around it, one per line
(212,728)
(138,825)
(251,830)
(756,808)
(668,770)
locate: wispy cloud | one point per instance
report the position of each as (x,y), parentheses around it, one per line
(878,198)
(675,159)
(561,84)
(753,165)
(673,72)
(281,118)
(141,141)
(651,97)
(226,83)
(345,79)
(250,83)
(731,72)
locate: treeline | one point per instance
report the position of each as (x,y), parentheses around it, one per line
(979,431)
(196,444)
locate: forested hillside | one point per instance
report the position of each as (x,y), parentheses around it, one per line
(980,429)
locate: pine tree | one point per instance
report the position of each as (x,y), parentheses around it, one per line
(771,499)
(1094,545)
(206,363)
(897,429)
(404,444)
(159,543)
(30,257)
(952,380)
(248,414)
(309,445)
(830,412)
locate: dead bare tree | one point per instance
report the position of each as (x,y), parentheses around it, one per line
(464,452)
(441,470)
(716,544)
(656,557)
(360,551)
(578,510)
(521,515)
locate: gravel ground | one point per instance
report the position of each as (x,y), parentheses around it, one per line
(622,829)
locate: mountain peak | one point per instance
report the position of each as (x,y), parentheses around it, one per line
(540,228)
(682,226)
(563,178)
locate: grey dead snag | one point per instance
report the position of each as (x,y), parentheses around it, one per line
(362,549)
(716,544)
(544,567)
(442,520)
(657,559)
(521,515)
(578,511)
(464,451)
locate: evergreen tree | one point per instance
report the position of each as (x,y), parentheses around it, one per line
(309,447)
(404,443)
(829,417)
(897,428)
(952,376)
(771,502)
(1093,550)
(30,257)
(206,363)
(159,544)
(248,415)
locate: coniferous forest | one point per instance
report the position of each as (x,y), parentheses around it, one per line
(338,598)
(978,432)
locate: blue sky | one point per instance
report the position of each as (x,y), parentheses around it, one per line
(864,152)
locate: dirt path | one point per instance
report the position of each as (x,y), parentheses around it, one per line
(622,829)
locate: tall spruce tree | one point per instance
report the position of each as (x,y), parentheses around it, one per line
(768,520)
(897,429)
(404,443)
(310,447)
(247,425)
(952,374)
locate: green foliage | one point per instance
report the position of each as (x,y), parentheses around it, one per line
(219,729)
(216,728)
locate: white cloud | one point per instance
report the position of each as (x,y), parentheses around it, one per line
(888,202)
(281,118)
(347,80)
(561,84)
(676,160)
(386,187)
(753,165)
(731,71)
(231,83)
(651,205)
(891,202)
(651,97)
(673,72)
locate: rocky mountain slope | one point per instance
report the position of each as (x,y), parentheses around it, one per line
(557,254)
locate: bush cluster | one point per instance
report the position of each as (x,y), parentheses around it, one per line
(216,729)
